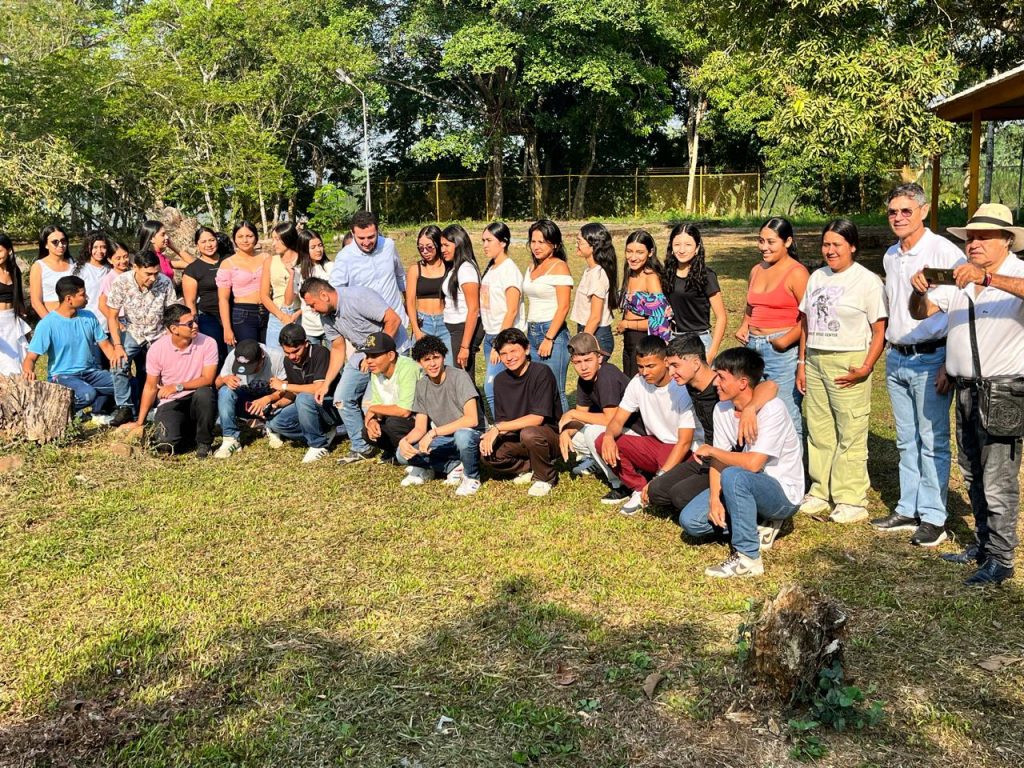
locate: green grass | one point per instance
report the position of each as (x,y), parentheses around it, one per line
(261,612)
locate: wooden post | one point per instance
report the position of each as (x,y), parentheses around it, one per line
(974,168)
(437,198)
(386,180)
(933,218)
(758,198)
(568,213)
(636,194)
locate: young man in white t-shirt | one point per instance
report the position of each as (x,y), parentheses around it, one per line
(763,480)
(668,416)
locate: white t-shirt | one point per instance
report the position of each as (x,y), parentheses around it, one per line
(457,314)
(311,322)
(93,276)
(776,439)
(665,410)
(930,251)
(494,296)
(543,299)
(999,324)
(840,308)
(593,283)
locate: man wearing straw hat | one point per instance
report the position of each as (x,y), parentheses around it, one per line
(985,360)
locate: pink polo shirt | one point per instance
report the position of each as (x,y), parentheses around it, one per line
(178,366)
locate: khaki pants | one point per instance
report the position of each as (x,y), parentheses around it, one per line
(837,428)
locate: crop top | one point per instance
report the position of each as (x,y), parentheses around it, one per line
(430,287)
(543,296)
(6,293)
(242,282)
(50,278)
(778,308)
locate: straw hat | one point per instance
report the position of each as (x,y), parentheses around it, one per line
(988,217)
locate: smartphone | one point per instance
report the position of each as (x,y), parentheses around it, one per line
(939,276)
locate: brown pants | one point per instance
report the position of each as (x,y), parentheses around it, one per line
(531,450)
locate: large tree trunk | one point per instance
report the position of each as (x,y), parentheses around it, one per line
(533,167)
(579,199)
(698,106)
(34,410)
(496,176)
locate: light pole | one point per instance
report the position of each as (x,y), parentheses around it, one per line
(344,77)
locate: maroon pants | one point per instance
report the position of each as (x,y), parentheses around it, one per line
(531,450)
(640,457)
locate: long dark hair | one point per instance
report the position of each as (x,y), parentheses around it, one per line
(44,236)
(847,230)
(697,278)
(147,230)
(551,234)
(600,239)
(455,233)
(784,230)
(305,262)
(221,239)
(14,271)
(433,233)
(85,252)
(645,239)
(289,235)
(502,234)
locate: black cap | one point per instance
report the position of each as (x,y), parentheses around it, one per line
(377,344)
(248,358)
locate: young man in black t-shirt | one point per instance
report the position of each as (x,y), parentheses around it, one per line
(598,394)
(523,441)
(300,417)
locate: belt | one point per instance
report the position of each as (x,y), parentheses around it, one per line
(963,382)
(923,348)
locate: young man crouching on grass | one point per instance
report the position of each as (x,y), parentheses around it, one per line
(760,481)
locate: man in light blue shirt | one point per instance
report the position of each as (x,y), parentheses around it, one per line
(371,261)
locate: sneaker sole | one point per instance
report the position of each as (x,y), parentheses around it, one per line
(897,529)
(614,502)
(930,544)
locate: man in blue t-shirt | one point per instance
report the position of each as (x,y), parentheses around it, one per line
(67,337)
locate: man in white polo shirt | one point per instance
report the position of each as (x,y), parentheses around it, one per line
(915,373)
(986,342)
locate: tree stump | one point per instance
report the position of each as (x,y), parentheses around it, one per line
(35,410)
(797,634)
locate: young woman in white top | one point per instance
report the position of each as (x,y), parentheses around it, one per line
(596,296)
(13,311)
(93,264)
(312,262)
(548,288)
(52,264)
(461,288)
(501,299)
(274,281)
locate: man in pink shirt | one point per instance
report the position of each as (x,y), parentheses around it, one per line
(180,370)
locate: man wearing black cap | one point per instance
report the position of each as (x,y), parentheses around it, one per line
(392,391)
(244,387)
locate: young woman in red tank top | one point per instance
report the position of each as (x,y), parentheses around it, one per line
(771,321)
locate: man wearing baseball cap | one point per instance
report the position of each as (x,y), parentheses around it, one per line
(985,308)
(244,389)
(392,391)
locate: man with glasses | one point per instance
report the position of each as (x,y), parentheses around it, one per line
(180,370)
(915,365)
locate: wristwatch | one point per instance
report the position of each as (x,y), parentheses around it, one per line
(179,387)
(284,386)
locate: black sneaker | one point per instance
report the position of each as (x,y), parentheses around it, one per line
(990,573)
(616,495)
(971,555)
(203,450)
(121,415)
(928,535)
(894,522)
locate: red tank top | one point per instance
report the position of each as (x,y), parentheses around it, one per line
(778,308)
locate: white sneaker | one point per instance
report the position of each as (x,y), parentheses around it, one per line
(417,476)
(633,505)
(768,532)
(467,487)
(314,454)
(228,446)
(99,420)
(523,479)
(539,488)
(409,469)
(812,505)
(736,564)
(848,513)
(455,476)
(274,440)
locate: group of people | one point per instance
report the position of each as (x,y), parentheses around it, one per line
(732,442)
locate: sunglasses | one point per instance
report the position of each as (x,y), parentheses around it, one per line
(425,248)
(58,242)
(189,324)
(900,212)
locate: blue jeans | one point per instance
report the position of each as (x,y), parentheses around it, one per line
(305,420)
(493,369)
(558,362)
(922,433)
(128,387)
(604,336)
(349,392)
(433,325)
(780,367)
(747,497)
(249,322)
(274,326)
(90,388)
(231,404)
(209,325)
(448,451)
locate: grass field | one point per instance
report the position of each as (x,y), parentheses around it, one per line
(261,612)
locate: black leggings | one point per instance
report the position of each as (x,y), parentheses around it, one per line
(456,331)
(679,486)
(630,341)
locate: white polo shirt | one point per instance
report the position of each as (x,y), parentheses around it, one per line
(930,251)
(999,321)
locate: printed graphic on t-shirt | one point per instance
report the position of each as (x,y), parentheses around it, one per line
(823,319)
(485,296)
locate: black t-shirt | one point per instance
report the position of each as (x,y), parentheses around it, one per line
(314,369)
(205,276)
(535,392)
(605,391)
(691,308)
(704,403)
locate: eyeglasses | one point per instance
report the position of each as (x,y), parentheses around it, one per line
(58,242)
(904,213)
(189,324)
(426,248)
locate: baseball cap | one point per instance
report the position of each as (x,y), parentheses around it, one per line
(585,344)
(248,358)
(377,344)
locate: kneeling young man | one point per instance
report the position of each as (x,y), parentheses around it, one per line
(762,480)
(523,441)
(446,437)
(392,391)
